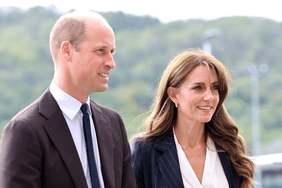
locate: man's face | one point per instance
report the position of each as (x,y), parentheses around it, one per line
(92,64)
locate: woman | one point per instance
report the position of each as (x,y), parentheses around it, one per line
(190,139)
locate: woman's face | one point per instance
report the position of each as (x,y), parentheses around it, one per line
(198,96)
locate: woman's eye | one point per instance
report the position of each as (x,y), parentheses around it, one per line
(215,87)
(197,88)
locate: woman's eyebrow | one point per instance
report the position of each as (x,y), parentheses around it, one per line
(197,83)
(201,83)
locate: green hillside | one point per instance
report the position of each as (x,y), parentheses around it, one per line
(144,48)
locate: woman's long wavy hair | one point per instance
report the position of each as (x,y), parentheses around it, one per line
(222,129)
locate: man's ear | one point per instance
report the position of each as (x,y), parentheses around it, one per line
(172,93)
(66,49)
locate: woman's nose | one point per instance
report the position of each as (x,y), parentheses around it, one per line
(208,96)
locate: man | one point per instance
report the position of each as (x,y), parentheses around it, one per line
(45,145)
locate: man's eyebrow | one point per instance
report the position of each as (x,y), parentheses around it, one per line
(102,46)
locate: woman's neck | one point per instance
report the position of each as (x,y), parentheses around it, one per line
(190,134)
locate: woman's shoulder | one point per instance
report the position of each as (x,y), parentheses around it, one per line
(141,143)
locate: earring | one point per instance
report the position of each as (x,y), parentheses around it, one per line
(175,105)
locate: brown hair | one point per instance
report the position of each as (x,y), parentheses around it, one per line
(222,129)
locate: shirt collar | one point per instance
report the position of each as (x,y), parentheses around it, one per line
(69,105)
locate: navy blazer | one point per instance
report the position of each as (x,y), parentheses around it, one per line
(155,164)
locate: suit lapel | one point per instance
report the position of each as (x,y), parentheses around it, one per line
(168,162)
(58,131)
(228,168)
(105,143)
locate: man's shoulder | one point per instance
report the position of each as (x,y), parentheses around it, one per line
(32,111)
(28,112)
(25,121)
(102,108)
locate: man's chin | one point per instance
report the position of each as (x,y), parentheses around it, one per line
(101,89)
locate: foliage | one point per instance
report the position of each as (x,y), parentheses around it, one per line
(144,48)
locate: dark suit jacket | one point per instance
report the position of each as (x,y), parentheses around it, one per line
(37,149)
(155,164)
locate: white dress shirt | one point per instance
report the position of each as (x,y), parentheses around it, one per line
(213,176)
(73,116)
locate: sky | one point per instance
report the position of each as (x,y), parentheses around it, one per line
(165,11)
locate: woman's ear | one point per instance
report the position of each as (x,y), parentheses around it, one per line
(172,93)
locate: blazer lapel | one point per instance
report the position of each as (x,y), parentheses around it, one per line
(228,168)
(168,162)
(105,143)
(58,131)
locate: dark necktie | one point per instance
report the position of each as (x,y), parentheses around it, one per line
(89,147)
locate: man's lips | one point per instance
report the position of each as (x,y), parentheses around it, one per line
(105,75)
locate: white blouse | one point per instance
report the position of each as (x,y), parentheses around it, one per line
(213,176)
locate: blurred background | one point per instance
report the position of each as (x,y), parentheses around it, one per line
(246,38)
